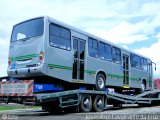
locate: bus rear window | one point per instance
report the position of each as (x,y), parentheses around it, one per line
(28,29)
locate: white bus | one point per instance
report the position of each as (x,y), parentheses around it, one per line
(58,53)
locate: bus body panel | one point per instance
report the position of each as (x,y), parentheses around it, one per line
(24,54)
(59,63)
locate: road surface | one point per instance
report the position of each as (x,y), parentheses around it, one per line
(127,112)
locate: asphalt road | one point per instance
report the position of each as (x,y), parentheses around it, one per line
(127,112)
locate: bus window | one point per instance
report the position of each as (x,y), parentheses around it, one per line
(75,47)
(102,52)
(144,64)
(133,64)
(105,51)
(28,29)
(116,55)
(65,33)
(108,52)
(135,61)
(82,50)
(55,30)
(59,37)
(93,47)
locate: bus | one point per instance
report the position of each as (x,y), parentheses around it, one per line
(49,51)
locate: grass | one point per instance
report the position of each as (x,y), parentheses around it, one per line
(3,108)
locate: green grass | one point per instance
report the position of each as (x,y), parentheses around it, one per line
(2,108)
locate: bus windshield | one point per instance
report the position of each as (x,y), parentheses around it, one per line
(28,29)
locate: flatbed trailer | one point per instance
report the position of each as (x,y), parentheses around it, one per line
(148,98)
(86,100)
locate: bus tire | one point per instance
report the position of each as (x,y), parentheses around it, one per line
(100,82)
(98,104)
(86,103)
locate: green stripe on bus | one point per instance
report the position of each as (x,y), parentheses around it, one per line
(59,66)
(108,74)
(91,72)
(131,78)
(114,75)
(69,68)
(24,57)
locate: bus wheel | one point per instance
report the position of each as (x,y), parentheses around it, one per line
(143,86)
(86,103)
(100,82)
(98,104)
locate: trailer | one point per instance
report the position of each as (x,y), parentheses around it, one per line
(29,93)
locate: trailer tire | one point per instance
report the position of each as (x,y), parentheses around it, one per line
(100,82)
(86,103)
(98,104)
(73,109)
(52,109)
(55,110)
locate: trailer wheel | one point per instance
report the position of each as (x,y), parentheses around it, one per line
(51,108)
(72,109)
(86,103)
(98,104)
(100,82)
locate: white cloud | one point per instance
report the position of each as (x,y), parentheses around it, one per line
(125,46)
(123,33)
(153,53)
(108,19)
(158,36)
(3,71)
(4,47)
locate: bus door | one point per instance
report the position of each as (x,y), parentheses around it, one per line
(150,74)
(125,70)
(78,59)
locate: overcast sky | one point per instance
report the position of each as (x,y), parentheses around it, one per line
(133,24)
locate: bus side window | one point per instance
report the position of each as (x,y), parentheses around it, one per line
(108,49)
(82,50)
(149,67)
(144,64)
(93,47)
(75,47)
(105,51)
(136,61)
(59,37)
(102,52)
(116,55)
(133,62)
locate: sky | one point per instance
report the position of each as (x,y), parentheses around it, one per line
(132,24)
